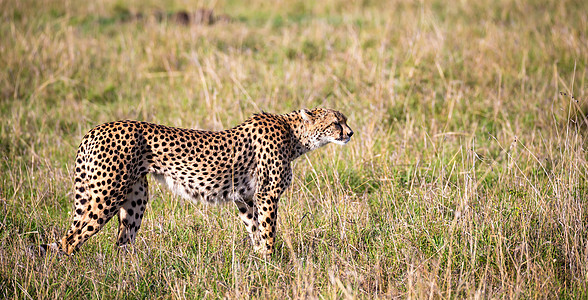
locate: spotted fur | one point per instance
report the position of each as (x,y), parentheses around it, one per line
(248,165)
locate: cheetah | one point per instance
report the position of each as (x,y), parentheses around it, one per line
(249,165)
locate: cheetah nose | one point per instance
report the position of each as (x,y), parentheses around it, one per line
(350,133)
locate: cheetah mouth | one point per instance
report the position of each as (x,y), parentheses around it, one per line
(342,140)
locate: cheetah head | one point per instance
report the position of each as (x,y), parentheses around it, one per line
(325,126)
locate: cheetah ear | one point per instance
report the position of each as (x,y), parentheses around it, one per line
(305,114)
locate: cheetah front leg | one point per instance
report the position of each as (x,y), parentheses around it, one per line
(248,214)
(260,220)
(267,210)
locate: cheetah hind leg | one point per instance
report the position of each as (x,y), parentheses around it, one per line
(131,212)
(41,250)
(86,223)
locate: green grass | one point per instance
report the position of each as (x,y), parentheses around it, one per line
(466,176)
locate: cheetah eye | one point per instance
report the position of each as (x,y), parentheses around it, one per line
(337,125)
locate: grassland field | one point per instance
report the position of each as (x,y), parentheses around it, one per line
(466,176)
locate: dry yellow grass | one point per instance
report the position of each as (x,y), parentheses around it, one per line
(466,176)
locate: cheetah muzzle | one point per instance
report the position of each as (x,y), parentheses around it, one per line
(249,165)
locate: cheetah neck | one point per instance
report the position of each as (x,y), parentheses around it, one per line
(301,138)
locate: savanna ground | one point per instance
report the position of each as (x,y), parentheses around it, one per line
(466,176)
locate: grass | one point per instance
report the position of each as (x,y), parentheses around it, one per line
(466,177)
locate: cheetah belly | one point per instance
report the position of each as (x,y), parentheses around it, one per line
(177,188)
(243,190)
